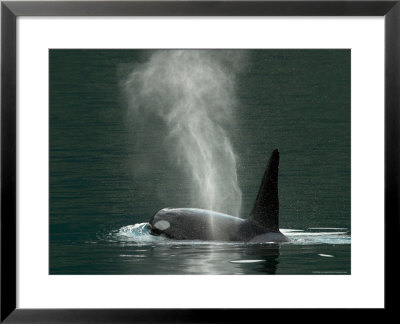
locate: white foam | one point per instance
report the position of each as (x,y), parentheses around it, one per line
(317,233)
(285,230)
(327,228)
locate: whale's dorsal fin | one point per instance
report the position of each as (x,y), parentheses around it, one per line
(266,208)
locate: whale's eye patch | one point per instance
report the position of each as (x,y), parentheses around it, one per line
(162,225)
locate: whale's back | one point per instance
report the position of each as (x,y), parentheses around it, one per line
(196,224)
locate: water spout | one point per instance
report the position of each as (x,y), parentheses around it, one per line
(192,92)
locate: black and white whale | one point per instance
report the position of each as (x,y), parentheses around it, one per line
(198,224)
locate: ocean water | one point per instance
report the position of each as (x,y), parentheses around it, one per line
(112,168)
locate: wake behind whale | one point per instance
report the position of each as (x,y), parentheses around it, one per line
(199,224)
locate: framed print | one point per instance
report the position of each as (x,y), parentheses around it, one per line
(161,160)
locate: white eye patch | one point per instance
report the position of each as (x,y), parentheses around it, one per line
(162,225)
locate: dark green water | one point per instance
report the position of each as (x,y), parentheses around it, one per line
(109,170)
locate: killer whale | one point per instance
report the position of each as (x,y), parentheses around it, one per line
(262,224)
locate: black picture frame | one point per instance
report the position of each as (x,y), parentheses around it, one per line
(10,10)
